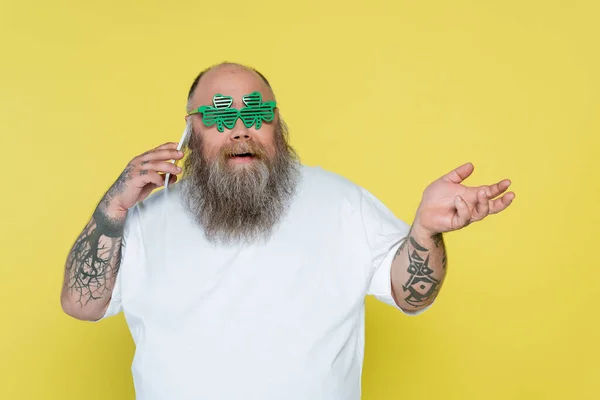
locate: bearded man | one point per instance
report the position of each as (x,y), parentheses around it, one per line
(247,278)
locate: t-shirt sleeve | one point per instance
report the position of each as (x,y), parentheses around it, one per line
(128,245)
(385,234)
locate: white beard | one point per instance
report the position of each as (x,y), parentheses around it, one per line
(242,203)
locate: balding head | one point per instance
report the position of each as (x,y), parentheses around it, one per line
(212,72)
(235,81)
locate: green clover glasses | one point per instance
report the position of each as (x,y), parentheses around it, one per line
(224,116)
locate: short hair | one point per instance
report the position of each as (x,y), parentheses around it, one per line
(201,74)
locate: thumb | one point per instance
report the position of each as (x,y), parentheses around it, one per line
(459,174)
(463,216)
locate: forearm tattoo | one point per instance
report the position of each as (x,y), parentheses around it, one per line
(118,187)
(421,286)
(94,259)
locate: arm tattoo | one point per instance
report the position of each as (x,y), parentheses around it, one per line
(437,239)
(94,259)
(421,285)
(117,187)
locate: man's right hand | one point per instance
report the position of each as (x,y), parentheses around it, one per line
(142,175)
(95,257)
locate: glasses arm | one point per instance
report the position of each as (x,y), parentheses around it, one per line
(197,111)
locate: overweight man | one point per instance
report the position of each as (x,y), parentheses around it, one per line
(246,278)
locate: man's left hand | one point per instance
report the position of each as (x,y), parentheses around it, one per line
(447,205)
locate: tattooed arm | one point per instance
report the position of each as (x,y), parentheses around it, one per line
(92,265)
(94,260)
(418,269)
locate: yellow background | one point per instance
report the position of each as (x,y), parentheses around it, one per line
(411,90)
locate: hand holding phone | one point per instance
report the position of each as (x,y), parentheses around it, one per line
(141,176)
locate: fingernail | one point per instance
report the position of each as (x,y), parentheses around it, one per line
(178,169)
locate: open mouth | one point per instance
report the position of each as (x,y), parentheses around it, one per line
(242,157)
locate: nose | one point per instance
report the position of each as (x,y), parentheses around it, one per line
(240,132)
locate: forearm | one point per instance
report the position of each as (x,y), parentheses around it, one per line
(92,265)
(418,269)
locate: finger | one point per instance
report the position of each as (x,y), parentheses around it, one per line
(501,203)
(148,176)
(172,178)
(161,166)
(163,154)
(463,215)
(482,207)
(459,174)
(168,145)
(497,189)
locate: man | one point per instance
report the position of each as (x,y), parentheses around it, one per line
(246,279)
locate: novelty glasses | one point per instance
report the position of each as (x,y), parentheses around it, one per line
(224,116)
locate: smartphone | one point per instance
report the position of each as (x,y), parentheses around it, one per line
(185,137)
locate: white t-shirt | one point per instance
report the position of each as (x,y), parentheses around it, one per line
(277,321)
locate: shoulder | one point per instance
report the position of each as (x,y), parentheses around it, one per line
(332,187)
(336,189)
(323,183)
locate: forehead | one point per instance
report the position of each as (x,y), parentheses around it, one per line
(234,82)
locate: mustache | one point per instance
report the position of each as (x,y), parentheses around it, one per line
(247,148)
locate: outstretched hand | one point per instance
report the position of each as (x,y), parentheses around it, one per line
(448,205)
